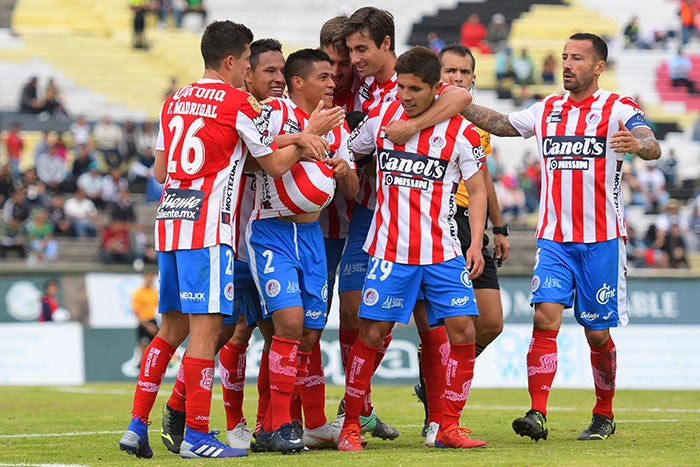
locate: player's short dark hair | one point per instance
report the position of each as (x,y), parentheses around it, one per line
(261,46)
(600,48)
(331,34)
(299,63)
(221,39)
(378,23)
(460,50)
(419,61)
(353,118)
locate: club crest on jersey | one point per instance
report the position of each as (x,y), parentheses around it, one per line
(330,137)
(437,142)
(553,117)
(228,291)
(370,297)
(272,288)
(254,103)
(593,118)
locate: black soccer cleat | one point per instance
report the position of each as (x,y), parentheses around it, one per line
(601,428)
(533,424)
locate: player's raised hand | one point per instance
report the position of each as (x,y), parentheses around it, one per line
(313,146)
(340,166)
(623,140)
(399,131)
(322,121)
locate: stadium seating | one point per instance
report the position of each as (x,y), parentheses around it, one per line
(667,93)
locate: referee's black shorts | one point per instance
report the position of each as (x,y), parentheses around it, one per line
(489,278)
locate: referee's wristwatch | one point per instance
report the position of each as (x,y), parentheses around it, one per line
(503,230)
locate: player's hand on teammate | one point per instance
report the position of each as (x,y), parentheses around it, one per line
(340,167)
(313,146)
(322,121)
(475,261)
(400,131)
(623,141)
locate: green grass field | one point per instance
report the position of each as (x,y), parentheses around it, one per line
(82,426)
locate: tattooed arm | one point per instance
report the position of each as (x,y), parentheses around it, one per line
(490,120)
(640,141)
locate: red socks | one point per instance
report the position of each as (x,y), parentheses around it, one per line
(541,367)
(232,360)
(263,390)
(283,372)
(347,338)
(199,378)
(358,373)
(458,381)
(604,363)
(435,350)
(154,364)
(313,391)
(177,397)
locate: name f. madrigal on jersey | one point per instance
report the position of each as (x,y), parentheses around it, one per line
(196,108)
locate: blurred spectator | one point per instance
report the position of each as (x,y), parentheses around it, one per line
(435,42)
(632,35)
(549,66)
(497,32)
(139,8)
(171,89)
(652,192)
(654,257)
(17,206)
(51,169)
(122,208)
(193,7)
(672,215)
(81,162)
(29,102)
(7,183)
(669,166)
(679,68)
(525,97)
(91,184)
(140,169)
(674,247)
(154,190)
(695,134)
(524,68)
(42,145)
(82,214)
(511,199)
(61,146)
(13,237)
(58,217)
(115,243)
(80,129)
(49,302)
(129,142)
(504,65)
(694,225)
(43,248)
(688,12)
(144,304)
(109,140)
(13,142)
(473,34)
(112,183)
(53,100)
(146,136)
(36,190)
(635,248)
(530,181)
(143,246)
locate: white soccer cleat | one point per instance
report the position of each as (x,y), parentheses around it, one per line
(325,436)
(239,437)
(431,434)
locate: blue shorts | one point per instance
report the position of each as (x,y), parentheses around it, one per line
(334,251)
(246,300)
(353,264)
(391,290)
(288,264)
(591,276)
(196,281)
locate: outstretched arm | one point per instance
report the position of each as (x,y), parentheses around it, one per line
(490,120)
(640,141)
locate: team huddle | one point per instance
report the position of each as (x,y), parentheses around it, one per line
(348,162)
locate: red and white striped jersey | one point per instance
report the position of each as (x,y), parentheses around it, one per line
(346,99)
(309,185)
(206,129)
(413,222)
(369,99)
(246,203)
(335,218)
(581,198)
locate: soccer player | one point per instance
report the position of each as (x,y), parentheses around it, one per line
(205,130)
(457,67)
(583,137)
(413,245)
(347,81)
(286,253)
(263,79)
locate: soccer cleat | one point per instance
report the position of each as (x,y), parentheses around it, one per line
(431,434)
(533,424)
(172,428)
(384,430)
(457,437)
(325,436)
(286,439)
(135,439)
(601,428)
(240,436)
(419,391)
(206,445)
(350,439)
(262,441)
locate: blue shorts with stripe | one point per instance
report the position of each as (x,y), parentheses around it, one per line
(246,300)
(353,264)
(196,281)
(334,251)
(591,277)
(288,264)
(391,290)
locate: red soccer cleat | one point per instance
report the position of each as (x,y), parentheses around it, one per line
(457,437)
(350,439)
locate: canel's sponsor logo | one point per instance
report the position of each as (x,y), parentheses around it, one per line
(409,164)
(584,146)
